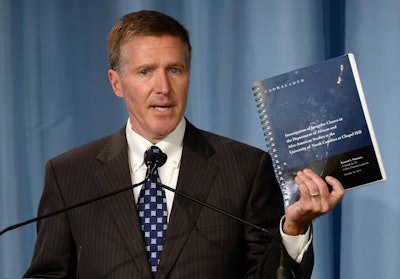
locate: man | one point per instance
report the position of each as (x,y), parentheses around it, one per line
(150,68)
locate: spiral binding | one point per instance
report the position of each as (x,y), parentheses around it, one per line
(259,94)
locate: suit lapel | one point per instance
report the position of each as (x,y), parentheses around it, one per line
(196,176)
(114,174)
(195,179)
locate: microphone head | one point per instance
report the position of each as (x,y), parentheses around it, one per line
(150,159)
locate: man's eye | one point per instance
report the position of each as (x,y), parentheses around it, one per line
(175,70)
(144,72)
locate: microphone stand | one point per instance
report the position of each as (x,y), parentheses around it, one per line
(155,163)
(72,206)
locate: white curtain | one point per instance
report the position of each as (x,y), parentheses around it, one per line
(54,95)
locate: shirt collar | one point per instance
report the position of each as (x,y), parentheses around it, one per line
(171,145)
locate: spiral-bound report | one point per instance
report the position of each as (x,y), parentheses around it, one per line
(317,117)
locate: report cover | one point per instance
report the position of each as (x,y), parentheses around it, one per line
(317,117)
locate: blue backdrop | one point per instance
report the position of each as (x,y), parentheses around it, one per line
(54,95)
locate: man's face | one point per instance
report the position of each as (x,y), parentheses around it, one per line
(154,80)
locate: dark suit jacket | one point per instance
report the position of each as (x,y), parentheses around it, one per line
(104,239)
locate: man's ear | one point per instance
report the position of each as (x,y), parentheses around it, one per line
(115,81)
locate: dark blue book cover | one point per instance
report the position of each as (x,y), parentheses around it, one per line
(317,117)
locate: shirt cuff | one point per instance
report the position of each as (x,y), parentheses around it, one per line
(296,245)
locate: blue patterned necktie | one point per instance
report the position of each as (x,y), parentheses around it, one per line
(152,208)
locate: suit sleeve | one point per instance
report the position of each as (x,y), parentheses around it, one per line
(265,208)
(54,255)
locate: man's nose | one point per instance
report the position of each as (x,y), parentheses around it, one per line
(162,83)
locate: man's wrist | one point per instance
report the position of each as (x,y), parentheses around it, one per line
(293,229)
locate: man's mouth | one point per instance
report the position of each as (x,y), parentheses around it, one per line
(161,108)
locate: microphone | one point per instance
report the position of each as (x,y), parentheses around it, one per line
(151,161)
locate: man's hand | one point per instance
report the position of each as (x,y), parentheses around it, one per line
(315,200)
